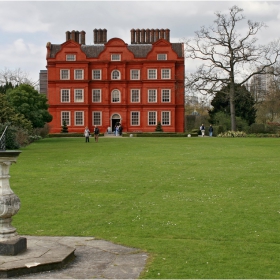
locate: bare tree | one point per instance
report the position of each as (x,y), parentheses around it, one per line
(228,57)
(15,77)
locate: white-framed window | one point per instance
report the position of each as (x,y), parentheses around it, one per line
(152,95)
(162,56)
(115,57)
(96,118)
(135,118)
(165,95)
(65,95)
(64,74)
(79,95)
(96,74)
(96,95)
(116,95)
(79,118)
(135,95)
(70,57)
(134,74)
(165,118)
(152,118)
(152,74)
(78,74)
(165,73)
(116,75)
(65,116)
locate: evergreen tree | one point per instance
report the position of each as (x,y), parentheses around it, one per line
(30,103)
(158,127)
(244,104)
(64,128)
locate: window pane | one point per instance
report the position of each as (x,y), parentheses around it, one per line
(79,95)
(79,74)
(116,57)
(152,118)
(165,118)
(64,74)
(165,73)
(79,118)
(96,74)
(65,95)
(70,57)
(152,73)
(165,95)
(96,118)
(134,75)
(135,95)
(65,116)
(96,95)
(162,56)
(115,75)
(134,118)
(152,95)
(115,96)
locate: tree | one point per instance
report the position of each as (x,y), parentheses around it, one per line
(228,57)
(268,110)
(15,77)
(8,115)
(5,87)
(30,103)
(159,127)
(244,104)
(64,128)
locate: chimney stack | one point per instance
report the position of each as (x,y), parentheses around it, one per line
(100,36)
(148,36)
(77,36)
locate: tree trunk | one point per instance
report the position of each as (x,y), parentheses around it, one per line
(232,106)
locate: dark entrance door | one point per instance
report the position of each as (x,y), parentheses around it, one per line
(115,122)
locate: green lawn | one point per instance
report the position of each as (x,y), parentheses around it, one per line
(201,207)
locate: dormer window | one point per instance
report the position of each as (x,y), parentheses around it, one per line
(162,56)
(116,75)
(70,57)
(115,57)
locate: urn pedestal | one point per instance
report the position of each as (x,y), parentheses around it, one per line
(10,242)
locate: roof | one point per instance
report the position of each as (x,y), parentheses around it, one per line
(139,50)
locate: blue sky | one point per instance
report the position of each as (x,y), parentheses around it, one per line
(26,26)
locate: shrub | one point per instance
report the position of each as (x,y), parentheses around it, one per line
(43,131)
(233,134)
(159,127)
(64,128)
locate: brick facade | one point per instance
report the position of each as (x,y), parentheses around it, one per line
(109,82)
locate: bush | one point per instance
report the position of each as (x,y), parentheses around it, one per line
(233,134)
(15,137)
(159,127)
(43,131)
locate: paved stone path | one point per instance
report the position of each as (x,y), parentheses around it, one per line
(95,259)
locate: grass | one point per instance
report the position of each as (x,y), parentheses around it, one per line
(201,207)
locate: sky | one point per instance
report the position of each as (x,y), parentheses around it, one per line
(27,26)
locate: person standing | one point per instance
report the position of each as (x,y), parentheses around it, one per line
(202,128)
(86,134)
(120,129)
(211,129)
(96,133)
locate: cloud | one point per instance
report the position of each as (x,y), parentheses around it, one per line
(21,17)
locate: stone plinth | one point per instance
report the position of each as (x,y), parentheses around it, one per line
(10,242)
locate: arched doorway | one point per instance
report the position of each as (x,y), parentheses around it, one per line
(115,120)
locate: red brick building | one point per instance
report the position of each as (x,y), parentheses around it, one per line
(110,82)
